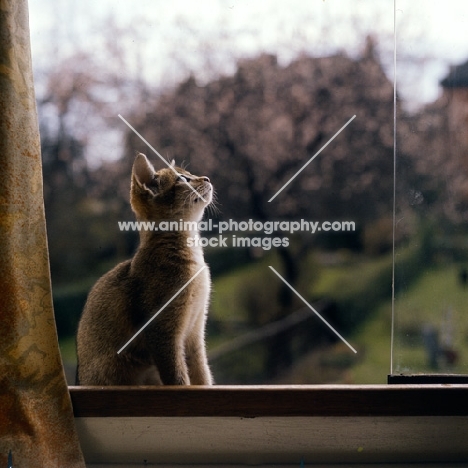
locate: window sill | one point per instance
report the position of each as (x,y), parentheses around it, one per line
(273,424)
(278,401)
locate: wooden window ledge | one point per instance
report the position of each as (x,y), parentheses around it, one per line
(267,425)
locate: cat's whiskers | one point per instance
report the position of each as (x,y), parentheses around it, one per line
(213,207)
(190,198)
(198,193)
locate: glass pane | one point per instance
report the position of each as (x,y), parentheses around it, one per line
(287,107)
(431,222)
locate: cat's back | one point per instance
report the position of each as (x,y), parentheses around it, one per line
(105,313)
(111,286)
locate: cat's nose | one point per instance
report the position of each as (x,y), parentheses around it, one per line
(205,179)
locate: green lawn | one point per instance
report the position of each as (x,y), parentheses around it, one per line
(373,342)
(435,298)
(343,278)
(438,300)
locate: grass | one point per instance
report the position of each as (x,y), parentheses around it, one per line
(336,363)
(373,342)
(342,278)
(436,298)
(226,301)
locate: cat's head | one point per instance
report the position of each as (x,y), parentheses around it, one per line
(171,193)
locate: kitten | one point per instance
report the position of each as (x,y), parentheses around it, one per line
(171,349)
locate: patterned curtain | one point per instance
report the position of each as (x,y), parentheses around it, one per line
(36,420)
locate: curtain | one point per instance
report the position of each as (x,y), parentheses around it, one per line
(36,420)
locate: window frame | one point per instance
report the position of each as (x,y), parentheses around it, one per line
(280,401)
(272,425)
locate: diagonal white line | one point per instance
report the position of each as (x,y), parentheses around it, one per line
(312,309)
(157,154)
(161,309)
(312,158)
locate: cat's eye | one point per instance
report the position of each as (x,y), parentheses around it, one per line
(182,178)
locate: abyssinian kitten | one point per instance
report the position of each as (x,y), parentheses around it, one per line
(171,349)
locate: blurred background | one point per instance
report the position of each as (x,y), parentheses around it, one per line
(247,92)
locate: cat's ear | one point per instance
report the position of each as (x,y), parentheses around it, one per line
(143,171)
(173,163)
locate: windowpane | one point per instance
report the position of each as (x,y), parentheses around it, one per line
(431,222)
(287,107)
